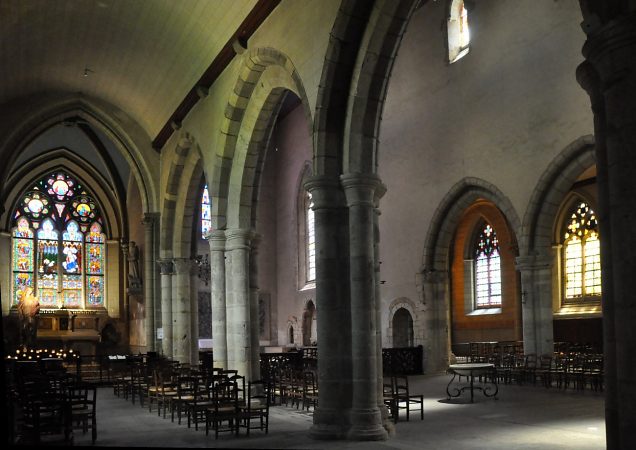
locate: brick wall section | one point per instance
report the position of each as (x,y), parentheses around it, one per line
(491,327)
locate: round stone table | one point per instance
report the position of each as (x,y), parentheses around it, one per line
(471,370)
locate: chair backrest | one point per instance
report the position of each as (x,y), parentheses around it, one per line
(258,392)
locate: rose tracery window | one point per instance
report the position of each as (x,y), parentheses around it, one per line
(582,254)
(59,244)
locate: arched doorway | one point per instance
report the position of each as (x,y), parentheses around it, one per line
(402,328)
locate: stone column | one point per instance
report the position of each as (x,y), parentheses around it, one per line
(436,301)
(194,313)
(182,331)
(239,335)
(608,77)
(166,267)
(386,420)
(126,315)
(536,303)
(331,416)
(217,279)
(149,278)
(365,415)
(254,316)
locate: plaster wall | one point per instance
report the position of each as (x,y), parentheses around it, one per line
(288,153)
(501,114)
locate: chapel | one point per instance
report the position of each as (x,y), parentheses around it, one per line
(364,181)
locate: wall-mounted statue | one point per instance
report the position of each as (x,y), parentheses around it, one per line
(28,312)
(134,273)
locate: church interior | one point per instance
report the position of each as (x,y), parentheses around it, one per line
(377,186)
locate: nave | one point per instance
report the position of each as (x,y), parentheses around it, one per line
(528,417)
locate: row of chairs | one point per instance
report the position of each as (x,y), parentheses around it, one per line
(295,388)
(222,399)
(563,370)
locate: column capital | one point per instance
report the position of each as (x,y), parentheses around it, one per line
(362,188)
(216,239)
(182,265)
(326,192)
(533,262)
(150,218)
(238,238)
(166,266)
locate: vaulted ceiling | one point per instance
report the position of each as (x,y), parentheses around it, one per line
(142,56)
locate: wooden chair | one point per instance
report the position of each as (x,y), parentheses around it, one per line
(223,414)
(389,397)
(405,399)
(186,388)
(310,390)
(543,371)
(82,404)
(256,407)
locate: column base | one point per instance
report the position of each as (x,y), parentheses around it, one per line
(329,424)
(367,426)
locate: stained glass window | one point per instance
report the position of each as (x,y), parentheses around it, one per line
(311,240)
(206,214)
(487,269)
(582,254)
(51,226)
(95,259)
(22,259)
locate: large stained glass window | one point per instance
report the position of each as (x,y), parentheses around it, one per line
(582,254)
(487,269)
(311,239)
(58,244)
(206,215)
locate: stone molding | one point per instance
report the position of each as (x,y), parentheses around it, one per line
(325,191)
(182,266)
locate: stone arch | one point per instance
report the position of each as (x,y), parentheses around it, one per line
(379,45)
(447,215)
(187,202)
(265,77)
(552,188)
(401,304)
(112,209)
(129,138)
(174,181)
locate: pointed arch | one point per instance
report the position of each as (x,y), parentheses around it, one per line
(543,208)
(129,138)
(447,215)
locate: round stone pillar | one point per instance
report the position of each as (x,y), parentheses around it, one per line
(386,419)
(181,309)
(536,303)
(331,416)
(194,313)
(254,315)
(149,278)
(166,268)
(366,419)
(436,301)
(239,339)
(608,77)
(216,240)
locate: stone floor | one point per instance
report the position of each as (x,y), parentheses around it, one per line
(523,417)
